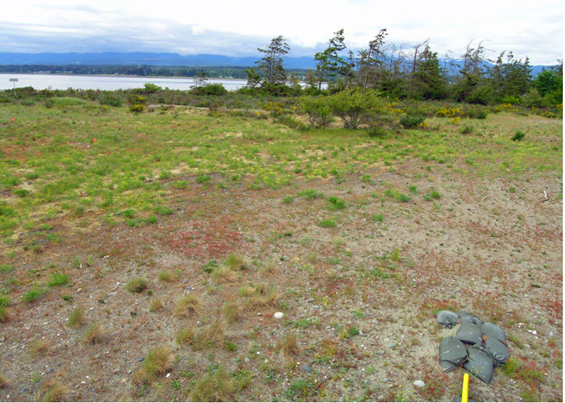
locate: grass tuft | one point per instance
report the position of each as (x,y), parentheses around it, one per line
(288,345)
(185,336)
(93,334)
(232,311)
(158,361)
(39,347)
(188,305)
(165,275)
(76,318)
(137,285)
(156,305)
(53,391)
(213,387)
(5,314)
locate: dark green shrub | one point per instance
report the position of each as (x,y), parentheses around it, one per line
(518,136)
(110,100)
(482,95)
(151,88)
(318,111)
(212,89)
(412,121)
(355,106)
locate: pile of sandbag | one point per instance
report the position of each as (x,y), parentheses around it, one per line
(477,346)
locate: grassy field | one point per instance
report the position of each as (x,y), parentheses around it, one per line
(143,255)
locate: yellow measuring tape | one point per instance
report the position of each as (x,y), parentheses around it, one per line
(465,393)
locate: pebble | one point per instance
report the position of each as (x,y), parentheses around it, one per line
(190,288)
(246,359)
(380,353)
(391,345)
(310,300)
(278,315)
(527,346)
(141,359)
(316,306)
(49,371)
(117,370)
(307,368)
(259,314)
(419,384)
(380,398)
(26,390)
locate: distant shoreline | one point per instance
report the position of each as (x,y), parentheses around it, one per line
(120,75)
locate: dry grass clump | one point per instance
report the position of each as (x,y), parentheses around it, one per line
(263,296)
(5,314)
(3,381)
(235,261)
(211,336)
(93,334)
(52,391)
(76,318)
(185,336)
(158,361)
(39,347)
(214,387)
(155,305)
(224,274)
(232,311)
(289,345)
(165,275)
(187,305)
(270,270)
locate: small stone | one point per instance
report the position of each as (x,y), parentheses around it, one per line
(141,359)
(380,353)
(391,345)
(49,371)
(190,288)
(419,384)
(380,398)
(307,368)
(278,315)
(316,306)
(310,300)
(259,314)
(246,359)
(117,370)
(527,346)
(26,390)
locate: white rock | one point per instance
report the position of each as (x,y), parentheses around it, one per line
(419,384)
(278,315)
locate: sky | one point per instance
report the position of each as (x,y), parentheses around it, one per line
(531,29)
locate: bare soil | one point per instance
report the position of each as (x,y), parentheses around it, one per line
(478,248)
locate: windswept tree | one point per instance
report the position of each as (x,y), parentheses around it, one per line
(271,65)
(428,80)
(511,77)
(372,61)
(329,62)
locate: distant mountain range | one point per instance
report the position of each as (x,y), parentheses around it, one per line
(154,59)
(144,58)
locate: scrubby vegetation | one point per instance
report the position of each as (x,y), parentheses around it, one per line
(148,251)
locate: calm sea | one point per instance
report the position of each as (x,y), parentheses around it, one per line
(80,82)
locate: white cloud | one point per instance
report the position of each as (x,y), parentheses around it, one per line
(238,28)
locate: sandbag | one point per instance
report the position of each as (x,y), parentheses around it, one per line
(480,363)
(447,319)
(469,317)
(491,330)
(469,333)
(452,353)
(498,350)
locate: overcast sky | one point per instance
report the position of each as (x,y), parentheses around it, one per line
(237,28)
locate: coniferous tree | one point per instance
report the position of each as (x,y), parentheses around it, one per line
(272,63)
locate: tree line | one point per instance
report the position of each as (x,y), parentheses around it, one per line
(415,73)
